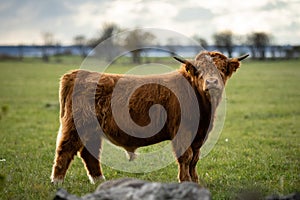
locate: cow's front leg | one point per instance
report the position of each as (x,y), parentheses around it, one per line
(184,164)
(193,164)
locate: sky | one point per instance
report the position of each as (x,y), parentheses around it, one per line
(25,21)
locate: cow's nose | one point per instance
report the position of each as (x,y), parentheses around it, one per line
(211,82)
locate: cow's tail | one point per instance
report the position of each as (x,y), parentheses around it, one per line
(64,93)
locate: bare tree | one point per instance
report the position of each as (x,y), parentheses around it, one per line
(258,41)
(80,42)
(48,39)
(201,41)
(57,52)
(224,41)
(21,51)
(136,41)
(106,32)
(108,47)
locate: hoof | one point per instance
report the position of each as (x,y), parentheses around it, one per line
(57,181)
(96,179)
(131,156)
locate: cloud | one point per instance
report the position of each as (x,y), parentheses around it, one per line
(274,5)
(23,21)
(193,14)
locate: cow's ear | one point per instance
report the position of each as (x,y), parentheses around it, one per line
(190,68)
(233,65)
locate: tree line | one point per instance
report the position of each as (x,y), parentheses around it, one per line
(224,41)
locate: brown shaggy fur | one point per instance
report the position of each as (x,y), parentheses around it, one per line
(90,99)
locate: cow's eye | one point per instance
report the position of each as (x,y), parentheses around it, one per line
(224,70)
(200,73)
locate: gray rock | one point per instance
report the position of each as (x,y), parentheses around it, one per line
(134,189)
(62,194)
(293,196)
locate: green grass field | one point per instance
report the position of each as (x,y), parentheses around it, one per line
(258,148)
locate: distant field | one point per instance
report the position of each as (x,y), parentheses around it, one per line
(259,147)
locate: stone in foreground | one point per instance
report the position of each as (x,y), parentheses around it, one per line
(134,189)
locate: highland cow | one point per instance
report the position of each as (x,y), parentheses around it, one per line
(87,96)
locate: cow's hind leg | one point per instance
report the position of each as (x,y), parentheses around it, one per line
(90,155)
(184,164)
(68,144)
(193,164)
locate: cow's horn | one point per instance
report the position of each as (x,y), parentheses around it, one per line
(180,59)
(242,57)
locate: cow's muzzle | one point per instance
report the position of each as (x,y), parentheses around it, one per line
(212,84)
